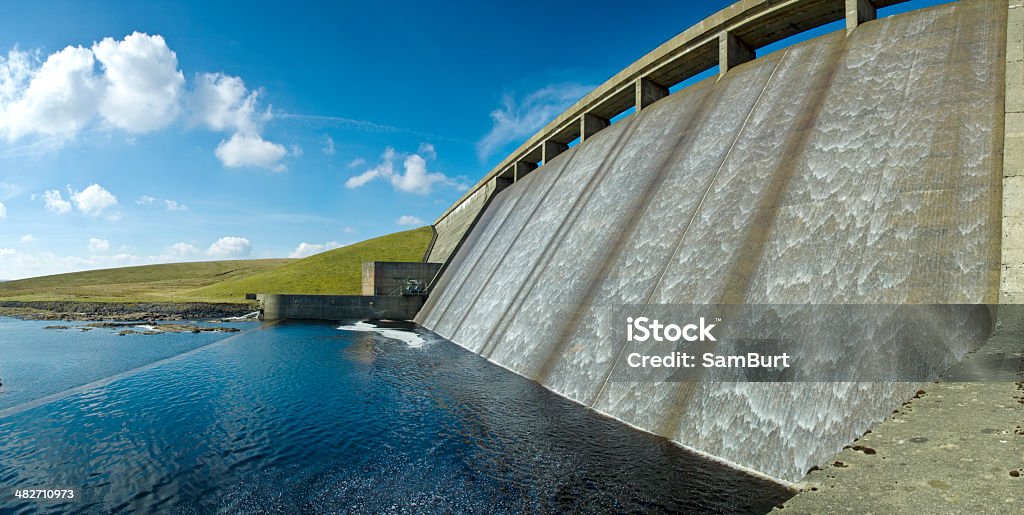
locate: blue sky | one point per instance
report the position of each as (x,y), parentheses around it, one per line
(143,132)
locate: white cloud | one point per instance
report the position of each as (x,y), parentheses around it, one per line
(357,162)
(171,205)
(93,200)
(53,201)
(295,150)
(348,230)
(230,247)
(98,245)
(517,120)
(28,238)
(175,206)
(5,252)
(251,150)
(55,98)
(329,147)
(427,151)
(143,83)
(3,211)
(224,103)
(413,179)
(181,250)
(132,84)
(409,220)
(308,249)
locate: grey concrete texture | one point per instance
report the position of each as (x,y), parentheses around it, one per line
(953,448)
(1012,279)
(392,277)
(852,168)
(338,307)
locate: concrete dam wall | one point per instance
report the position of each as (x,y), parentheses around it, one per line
(860,169)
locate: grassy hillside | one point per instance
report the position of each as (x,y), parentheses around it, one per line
(151,283)
(337,271)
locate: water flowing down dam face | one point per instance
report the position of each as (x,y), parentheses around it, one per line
(860,169)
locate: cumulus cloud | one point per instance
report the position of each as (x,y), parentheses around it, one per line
(251,150)
(94,200)
(3,211)
(132,84)
(224,103)
(409,220)
(143,83)
(28,238)
(329,147)
(230,247)
(308,249)
(517,120)
(357,162)
(53,201)
(414,177)
(55,98)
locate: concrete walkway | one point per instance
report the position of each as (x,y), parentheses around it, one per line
(957,447)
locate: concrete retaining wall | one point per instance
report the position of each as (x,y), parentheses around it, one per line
(338,307)
(391,277)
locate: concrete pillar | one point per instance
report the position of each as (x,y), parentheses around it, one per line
(521,168)
(549,149)
(857,12)
(590,125)
(1011,276)
(732,52)
(648,92)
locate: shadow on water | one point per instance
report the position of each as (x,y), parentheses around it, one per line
(303,417)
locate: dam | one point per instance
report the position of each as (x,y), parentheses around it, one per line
(837,181)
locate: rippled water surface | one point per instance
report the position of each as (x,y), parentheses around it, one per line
(304,417)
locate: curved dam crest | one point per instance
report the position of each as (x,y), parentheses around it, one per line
(860,168)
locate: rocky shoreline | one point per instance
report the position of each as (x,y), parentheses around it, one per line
(116,311)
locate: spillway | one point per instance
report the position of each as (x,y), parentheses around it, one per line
(852,170)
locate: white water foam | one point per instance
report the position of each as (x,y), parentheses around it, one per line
(410,338)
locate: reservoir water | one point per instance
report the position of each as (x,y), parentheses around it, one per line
(305,417)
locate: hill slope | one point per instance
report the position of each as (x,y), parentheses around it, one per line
(153,283)
(337,271)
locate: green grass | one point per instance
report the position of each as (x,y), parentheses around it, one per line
(338,271)
(151,283)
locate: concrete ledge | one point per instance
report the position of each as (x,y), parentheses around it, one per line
(338,307)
